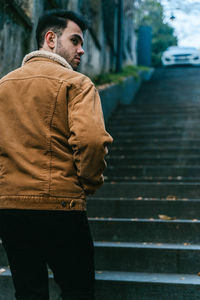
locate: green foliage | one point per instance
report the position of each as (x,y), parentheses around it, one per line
(108,78)
(150,13)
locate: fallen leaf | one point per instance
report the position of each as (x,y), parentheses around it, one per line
(198,274)
(165,217)
(171,197)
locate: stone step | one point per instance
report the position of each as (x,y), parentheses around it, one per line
(179,140)
(147,179)
(141,257)
(153,171)
(150,190)
(139,160)
(157,98)
(153,122)
(143,208)
(147,257)
(146,286)
(148,142)
(156,135)
(142,127)
(132,285)
(162,95)
(150,106)
(145,230)
(136,111)
(162,151)
(156,132)
(158,110)
(7,290)
(165,106)
(173,117)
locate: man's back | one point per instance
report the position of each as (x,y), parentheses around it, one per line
(37,157)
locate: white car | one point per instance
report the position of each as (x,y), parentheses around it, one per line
(180,55)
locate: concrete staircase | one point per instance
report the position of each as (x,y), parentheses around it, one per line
(146,218)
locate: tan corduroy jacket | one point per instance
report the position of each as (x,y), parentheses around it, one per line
(52,136)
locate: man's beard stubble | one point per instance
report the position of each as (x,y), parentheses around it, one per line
(63,52)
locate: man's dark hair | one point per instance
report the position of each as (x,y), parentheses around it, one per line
(56,20)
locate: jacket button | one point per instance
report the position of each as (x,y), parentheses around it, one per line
(72,204)
(63,203)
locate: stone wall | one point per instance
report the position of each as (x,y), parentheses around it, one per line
(15,31)
(18,19)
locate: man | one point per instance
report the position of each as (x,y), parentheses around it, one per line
(52,148)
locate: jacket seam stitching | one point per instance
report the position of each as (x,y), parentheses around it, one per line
(50,146)
(40,196)
(31,77)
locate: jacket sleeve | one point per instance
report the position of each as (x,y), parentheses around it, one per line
(88,137)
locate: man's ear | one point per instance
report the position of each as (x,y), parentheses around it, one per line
(51,39)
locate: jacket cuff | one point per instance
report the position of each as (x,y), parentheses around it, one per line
(90,188)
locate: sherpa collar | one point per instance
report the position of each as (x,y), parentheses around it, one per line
(47,54)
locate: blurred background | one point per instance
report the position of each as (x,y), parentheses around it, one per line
(121,32)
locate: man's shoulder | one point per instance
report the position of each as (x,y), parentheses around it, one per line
(80,80)
(11,75)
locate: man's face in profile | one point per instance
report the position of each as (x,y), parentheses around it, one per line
(69,44)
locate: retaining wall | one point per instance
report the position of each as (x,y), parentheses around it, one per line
(121,94)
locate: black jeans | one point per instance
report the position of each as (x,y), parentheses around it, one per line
(61,240)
